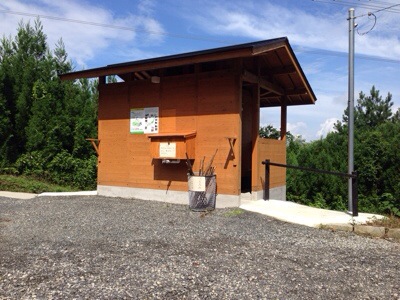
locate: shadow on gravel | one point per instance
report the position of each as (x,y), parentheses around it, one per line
(97,247)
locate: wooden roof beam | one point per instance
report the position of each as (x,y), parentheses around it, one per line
(147,75)
(281,70)
(260,49)
(296,92)
(269,86)
(138,75)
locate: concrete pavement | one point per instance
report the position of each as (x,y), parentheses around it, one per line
(16,195)
(305,215)
(321,218)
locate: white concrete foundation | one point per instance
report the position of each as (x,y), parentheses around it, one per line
(278,193)
(177,197)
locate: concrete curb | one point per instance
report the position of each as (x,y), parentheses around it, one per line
(25,196)
(367,230)
(16,195)
(81,193)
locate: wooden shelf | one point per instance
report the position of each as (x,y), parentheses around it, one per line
(95,144)
(172,145)
(173,134)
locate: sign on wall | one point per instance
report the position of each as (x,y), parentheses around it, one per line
(167,150)
(144,120)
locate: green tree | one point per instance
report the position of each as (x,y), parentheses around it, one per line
(377,160)
(372,110)
(269,132)
(44,121)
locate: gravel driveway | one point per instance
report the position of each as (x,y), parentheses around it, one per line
(109,248)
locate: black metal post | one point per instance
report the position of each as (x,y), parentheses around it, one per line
(266,180)
(354,193)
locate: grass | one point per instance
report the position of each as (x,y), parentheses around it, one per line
(234,212)
(25,184)
(388,222)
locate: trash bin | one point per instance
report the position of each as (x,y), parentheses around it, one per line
(202,192)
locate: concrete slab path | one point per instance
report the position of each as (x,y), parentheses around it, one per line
(305,215)
(15,195)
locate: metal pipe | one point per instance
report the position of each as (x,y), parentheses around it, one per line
(351,108)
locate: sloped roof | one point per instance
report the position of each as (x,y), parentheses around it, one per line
(270,63)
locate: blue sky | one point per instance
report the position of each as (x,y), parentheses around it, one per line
(317,31)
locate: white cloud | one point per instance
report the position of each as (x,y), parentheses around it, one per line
(83,41)
(313,28)
(326,127)
(297,129)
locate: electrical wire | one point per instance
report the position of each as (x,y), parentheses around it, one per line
(322,52)
(362,5)
(181,36)
(386,8)
(368,31)
(369,14)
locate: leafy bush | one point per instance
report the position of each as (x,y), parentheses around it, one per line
(390,205)
(66,169)
(86,174)
(32,163)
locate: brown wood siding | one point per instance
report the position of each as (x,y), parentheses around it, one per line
(275,151)
(113,115)
(208,106)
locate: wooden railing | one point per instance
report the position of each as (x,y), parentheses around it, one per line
(353,177)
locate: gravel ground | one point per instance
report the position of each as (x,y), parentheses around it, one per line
(108,248)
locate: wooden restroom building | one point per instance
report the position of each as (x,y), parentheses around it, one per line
(195,103)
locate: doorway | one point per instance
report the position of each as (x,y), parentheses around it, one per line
(247,143)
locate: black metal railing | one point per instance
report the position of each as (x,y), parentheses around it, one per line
(353,177)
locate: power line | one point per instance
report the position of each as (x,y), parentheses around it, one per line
(372,27)
(386,8)
(344,55)
(369,14)
(372,6)
(362,5)
(181,36)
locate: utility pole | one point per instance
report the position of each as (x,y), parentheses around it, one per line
(351,108)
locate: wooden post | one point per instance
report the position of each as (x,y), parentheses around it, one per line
(102,80)
(255,136)
(283,118)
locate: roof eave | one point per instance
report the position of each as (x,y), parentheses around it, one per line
(228,52)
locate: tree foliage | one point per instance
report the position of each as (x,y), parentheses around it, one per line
(270,132)
(44,119)
(376,159)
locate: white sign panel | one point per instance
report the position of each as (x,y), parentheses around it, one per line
(144,120)
(137,120)
(168,150)
(197,183)
(151,120)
